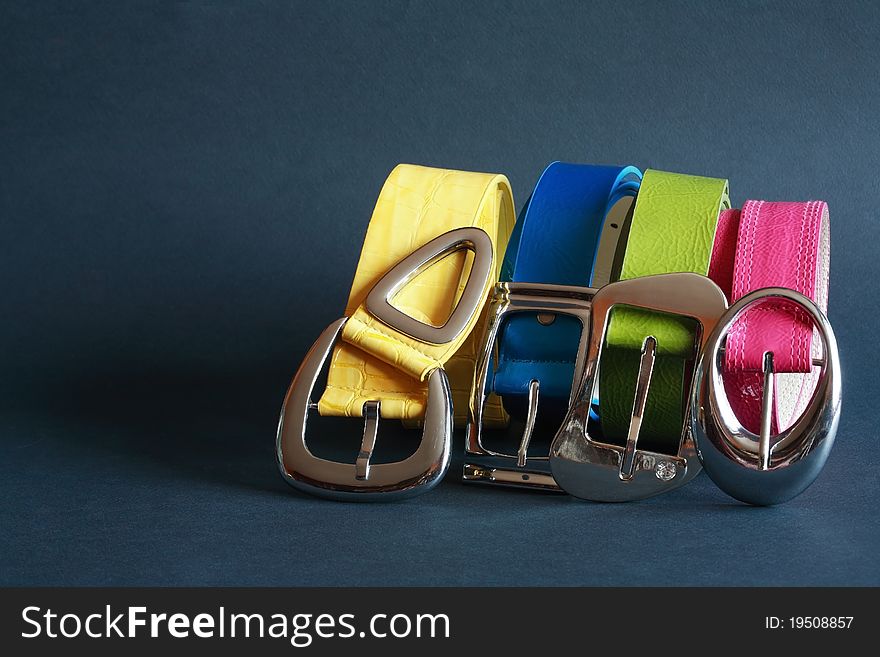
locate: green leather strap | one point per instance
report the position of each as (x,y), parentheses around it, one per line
(672,230)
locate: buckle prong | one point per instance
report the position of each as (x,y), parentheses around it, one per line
(368,443)
(764,446)
(646,368)
(522,453)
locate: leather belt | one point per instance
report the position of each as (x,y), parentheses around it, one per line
(429,260)
(779,359)
(645,328)
(772,244)
(554,246)
(556,240)
(673,229)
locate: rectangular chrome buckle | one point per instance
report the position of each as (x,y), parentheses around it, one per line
(425,468)
(595,470)
(483,465)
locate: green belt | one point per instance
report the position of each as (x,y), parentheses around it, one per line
(672,230)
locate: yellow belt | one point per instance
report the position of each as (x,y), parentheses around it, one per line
(407,347)
(375,361)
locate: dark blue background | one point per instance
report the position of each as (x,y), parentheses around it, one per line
(183,193)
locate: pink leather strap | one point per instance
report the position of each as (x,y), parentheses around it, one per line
(772,244)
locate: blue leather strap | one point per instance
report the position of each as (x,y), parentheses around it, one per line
(555,240)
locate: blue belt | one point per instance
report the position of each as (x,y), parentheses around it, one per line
(555,241)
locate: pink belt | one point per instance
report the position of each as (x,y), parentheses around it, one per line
(772,244)
(765,403)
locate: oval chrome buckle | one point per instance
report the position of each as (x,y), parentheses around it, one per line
(483,465)
(603,472)
(764,469)
(425,468)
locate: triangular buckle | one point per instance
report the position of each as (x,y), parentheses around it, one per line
(378,302)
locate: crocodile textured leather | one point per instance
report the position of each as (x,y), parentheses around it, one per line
(373,361)
(772,244)
(672,230)
(555,241)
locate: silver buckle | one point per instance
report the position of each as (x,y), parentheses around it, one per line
(764,469)
(594,470)
(378,302)
(483,465)
(426,467)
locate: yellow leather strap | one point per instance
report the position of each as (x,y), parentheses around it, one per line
(373,361)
